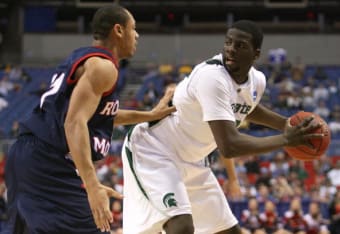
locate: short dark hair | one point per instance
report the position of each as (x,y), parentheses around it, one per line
(104,19)
(251,28)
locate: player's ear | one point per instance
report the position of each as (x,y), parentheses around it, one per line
(118,29)
(257,54)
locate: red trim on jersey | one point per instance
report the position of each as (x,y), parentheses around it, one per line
(114,59)
(81,59)
(113,87)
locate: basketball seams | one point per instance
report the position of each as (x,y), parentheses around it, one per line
(303,152)
(302,148)
(323,130)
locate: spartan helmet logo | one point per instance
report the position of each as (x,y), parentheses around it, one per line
(169,200)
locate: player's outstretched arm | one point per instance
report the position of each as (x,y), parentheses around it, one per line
(261,115)
(83,103)
(161,110)
(232,143)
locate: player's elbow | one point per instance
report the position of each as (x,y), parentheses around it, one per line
(229,152)
(70,126)
(233,147)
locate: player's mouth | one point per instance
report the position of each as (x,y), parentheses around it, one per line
(230,61)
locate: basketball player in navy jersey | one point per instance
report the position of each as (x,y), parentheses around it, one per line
(51,179)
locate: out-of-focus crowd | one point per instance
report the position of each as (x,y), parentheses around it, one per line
(279,194)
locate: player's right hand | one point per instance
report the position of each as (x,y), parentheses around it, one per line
(301,133)
(100,205)
(233,189)
(163,109)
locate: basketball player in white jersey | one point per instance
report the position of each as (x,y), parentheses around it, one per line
(167,185)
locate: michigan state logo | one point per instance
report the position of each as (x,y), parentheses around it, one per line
(169,200)
(241,108)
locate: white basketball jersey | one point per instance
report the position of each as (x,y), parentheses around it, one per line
(209,93)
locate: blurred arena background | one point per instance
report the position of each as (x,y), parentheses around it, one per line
(300,57)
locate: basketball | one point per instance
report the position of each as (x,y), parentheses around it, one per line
(303,152)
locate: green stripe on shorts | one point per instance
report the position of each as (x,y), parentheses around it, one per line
(130,132)
(129,157)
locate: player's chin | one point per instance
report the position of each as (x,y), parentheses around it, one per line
(232,67)
(131,53)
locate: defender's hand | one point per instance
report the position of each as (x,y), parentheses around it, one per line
(100,205)
(163,109)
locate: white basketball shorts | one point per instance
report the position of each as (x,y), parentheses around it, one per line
(159,185)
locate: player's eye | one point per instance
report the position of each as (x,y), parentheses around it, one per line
(228,42)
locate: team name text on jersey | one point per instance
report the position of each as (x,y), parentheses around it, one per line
(110,108)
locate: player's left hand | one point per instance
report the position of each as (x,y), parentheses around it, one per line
(98,197)
(301,133)
(233,190)
(163,109)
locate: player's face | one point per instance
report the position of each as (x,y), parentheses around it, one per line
(238,51)
(130,37)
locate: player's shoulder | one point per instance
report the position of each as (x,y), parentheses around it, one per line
(212,67)
(213,63)
(101,74)
(100,66)
(257,74)
(91,49)
(82,53)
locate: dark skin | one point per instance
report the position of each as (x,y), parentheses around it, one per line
(240,54)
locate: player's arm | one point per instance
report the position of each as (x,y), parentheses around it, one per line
(230,168)
(127,117)
(215,97)
(83,103)
(232,143)
(233,186)
(264,116)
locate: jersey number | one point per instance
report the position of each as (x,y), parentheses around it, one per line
(56,82)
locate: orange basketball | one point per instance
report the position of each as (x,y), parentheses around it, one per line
(320,145)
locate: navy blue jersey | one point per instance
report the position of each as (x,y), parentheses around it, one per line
(47,119)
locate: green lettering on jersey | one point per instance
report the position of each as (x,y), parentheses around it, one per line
(241,108)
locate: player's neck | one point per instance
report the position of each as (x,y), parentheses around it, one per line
(240,76)
(104,44)
(239,79)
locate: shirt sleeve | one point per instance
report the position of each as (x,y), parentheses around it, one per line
(261,86)
(213,94)
(260,80)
